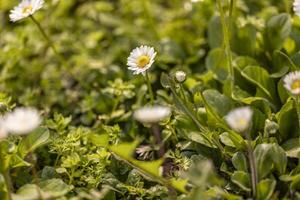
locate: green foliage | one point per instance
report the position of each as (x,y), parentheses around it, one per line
(90,147)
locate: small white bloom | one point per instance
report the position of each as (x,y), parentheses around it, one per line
(292,82)
(21,121)
(141,59)
(239,119)
(296,6)
(180,76)
(152,114)
(25,9)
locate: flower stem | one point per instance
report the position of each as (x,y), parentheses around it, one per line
(150,88)
(297,103)
(7,184)
(158,140)
(252,163)
(47,38)
(226,38)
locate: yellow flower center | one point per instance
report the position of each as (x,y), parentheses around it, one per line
(27,9)
(296,85)
(242,122)
(142,61)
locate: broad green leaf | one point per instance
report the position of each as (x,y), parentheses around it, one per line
(261,79)
(215,32)
(277,30)
(287,121)
(152,167)
(180,184)
(125,150)
(239,161)
(279,158)
(34,140)
(220,103)
(292,147)
(265,189)
(99,140)
(263,159)
(49,189)
(242,180)
(216,62)
(244,40)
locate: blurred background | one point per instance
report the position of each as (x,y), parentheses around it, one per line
(96,37)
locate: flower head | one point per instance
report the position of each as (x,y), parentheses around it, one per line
(141,59)
(239,119)
(296,7)
(25,9)
(21,121)
(292,82)
(180,76)
(152,114)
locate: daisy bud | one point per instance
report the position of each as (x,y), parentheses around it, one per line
(180,76)
(152,114)
(239,119)
(271,127)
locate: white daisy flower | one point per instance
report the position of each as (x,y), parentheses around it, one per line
(296,7)
(180,76)
(292,82)
(21,121)
(141,59)
(239,119)
(153,114)
(25,9)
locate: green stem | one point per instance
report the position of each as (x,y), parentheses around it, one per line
(297,103)
(287,6)
(252,163)
(47,38)
(7,184)
(150,88)
(226,38)
(182,92)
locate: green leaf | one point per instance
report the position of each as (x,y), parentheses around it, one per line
(124,150)
(215,32)
(244,40)
(99,140)
(265,189)
(34,140)
(277,30)
(261,79)
(287,121)
(263,159)
(239,161)
(216,61)
(49,189)
(292,147)
(242,180)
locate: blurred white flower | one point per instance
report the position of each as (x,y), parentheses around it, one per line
(239,119)
(3,132)
(296,7)
(292,82)
(152,114)
(25,9)
(180,76)
(21,121)
(141,59)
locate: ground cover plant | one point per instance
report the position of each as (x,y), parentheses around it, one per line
(140,99)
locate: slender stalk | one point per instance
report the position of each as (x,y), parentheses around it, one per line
(182,92)
(158,140)
(35,176)
(297,103)
(150,88)
(252,163)
(47,38)
(287,6)
(7,184)
(226,38)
